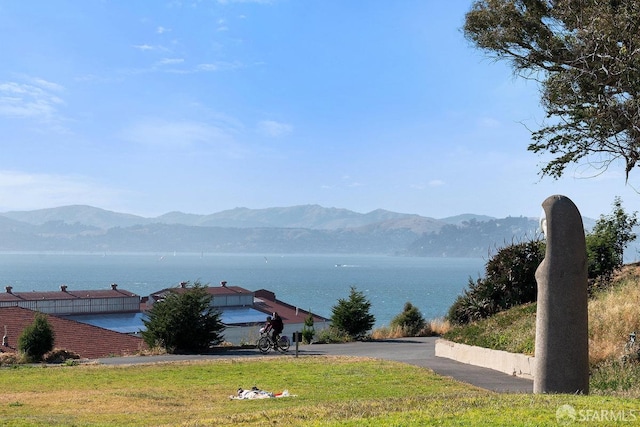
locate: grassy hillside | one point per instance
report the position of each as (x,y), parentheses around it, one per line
(512,330)
(329,391)
(613,315)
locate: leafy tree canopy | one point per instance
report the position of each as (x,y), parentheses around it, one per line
(352,315)
(37,339)
(606,244)
(410,320)
(509,281)
(586,56)
(184,322)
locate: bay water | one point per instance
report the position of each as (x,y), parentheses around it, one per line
(311,282)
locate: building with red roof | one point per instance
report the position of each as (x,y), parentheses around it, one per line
(99,323)
(90,342)
(244,312)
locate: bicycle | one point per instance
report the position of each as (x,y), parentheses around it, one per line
(266,343)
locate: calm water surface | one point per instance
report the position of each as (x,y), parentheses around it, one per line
(314,282)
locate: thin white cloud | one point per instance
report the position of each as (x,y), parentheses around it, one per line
(26,191)
(144,47)
(172,65)
(222,25)
(274,129)
(162,30)
(434,183)
(45,84)
(181,135)
(348,182)
(170,61)
(36,100)
(219,66)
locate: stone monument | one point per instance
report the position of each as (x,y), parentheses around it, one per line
(562,340)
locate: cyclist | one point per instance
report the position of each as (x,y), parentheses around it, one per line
(268,326)
(277,326)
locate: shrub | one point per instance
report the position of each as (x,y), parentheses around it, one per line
(7,359)
(308,331)
(184,322)
(352,315)
(36,339)
(58,355)
(410,321)
(509,281)
(332,335)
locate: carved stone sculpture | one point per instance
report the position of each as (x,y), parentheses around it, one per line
(562,341)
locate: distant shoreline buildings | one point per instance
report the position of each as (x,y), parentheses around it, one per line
(110,320)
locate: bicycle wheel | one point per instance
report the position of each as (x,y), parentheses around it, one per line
(264,344)
(283,343)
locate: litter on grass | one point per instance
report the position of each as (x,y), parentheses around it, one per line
(256,393)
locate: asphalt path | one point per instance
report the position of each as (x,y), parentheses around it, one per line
(414,351)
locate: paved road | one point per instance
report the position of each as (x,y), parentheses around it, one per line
(414,351)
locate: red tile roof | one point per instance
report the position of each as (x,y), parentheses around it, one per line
(212,290)
(90,342)
(9,295)
(267,302)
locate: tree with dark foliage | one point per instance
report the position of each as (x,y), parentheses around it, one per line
(184,322)
(509,281)
(606,244)
(410,320)
(37,339)
(586,56)
(352,315)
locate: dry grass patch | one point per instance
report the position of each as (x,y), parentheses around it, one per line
(439,326)
(613,315)
(434,327)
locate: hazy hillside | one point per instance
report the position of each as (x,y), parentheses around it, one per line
(296,229)
(470,238)
(81,214)
(305,216)
(461,219)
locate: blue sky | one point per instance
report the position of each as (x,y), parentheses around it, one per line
(202,106)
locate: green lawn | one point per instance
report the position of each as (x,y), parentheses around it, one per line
(331,391)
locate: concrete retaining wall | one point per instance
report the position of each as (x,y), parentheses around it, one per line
(510,363)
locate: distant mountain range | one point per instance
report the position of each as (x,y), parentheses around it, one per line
(296,229)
